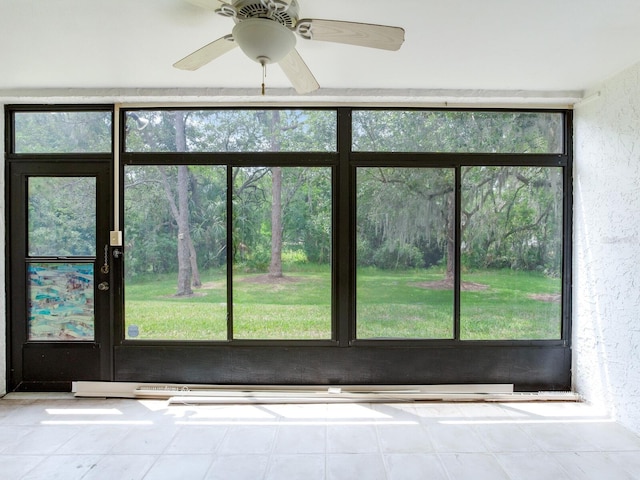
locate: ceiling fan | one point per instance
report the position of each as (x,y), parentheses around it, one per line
(265,30)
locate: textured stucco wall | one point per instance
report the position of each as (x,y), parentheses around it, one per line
(606,297)
(3,309)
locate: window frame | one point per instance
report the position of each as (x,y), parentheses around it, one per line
(344,163)
(231,160)
(529,365)
(10,143)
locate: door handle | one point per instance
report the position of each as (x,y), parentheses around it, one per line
(103,286)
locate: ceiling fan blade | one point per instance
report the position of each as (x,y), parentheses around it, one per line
(206,54)
(208,4)
(360,34)
(298,73)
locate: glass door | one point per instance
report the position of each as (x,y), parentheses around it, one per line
(61,272)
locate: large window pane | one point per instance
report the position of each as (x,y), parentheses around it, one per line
(61,216)
(231,131)
(282,253)
(405,236)
(62,132)
(511,253)
(457,131)
(175,252)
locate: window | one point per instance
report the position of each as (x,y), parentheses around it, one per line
(231,131)
(457,225)
(405,219)
(511,229)
(296,246)
(65,131)
(175,252)
(236,244)
(467,252)
(282,253)
(457,131)
(61,216)
(61,227)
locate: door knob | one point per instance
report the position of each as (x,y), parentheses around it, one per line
(104,286)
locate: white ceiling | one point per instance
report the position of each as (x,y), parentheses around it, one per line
(554,48)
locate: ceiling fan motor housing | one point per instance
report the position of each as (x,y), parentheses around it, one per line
(275,10)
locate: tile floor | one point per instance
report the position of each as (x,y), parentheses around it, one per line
(87,439)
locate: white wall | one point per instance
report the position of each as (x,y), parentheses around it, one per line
(3,309)
(606,272)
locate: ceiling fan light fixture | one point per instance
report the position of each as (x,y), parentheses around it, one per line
(263,40)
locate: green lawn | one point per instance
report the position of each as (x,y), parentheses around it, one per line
(517,305)
(390,304)
(393,304)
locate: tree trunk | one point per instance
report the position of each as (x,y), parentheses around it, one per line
(275,267)
(187,260)
(451,237)
(184,253)
(193,256)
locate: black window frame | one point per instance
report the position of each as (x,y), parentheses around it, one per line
(344,163)
(91,359)
(528,364)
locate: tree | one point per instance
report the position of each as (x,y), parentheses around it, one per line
(514,210)
(63,132)
(247,131)
(517,218)
(61,216)
(177,195)
(404,216)
(275,265)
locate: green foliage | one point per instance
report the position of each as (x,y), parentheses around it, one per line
(233,131)
(457,131)
(513,218)
(294,257)
(402,216)
(150,228)
(63,132)
(511,215)
(61,216)
(398,256)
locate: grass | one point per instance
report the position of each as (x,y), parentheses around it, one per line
(507,310)
(390,304)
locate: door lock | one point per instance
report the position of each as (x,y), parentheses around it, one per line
(103,286)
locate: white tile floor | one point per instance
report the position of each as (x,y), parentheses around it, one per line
(126,439)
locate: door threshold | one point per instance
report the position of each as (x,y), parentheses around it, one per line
(38,396)
(180,394)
